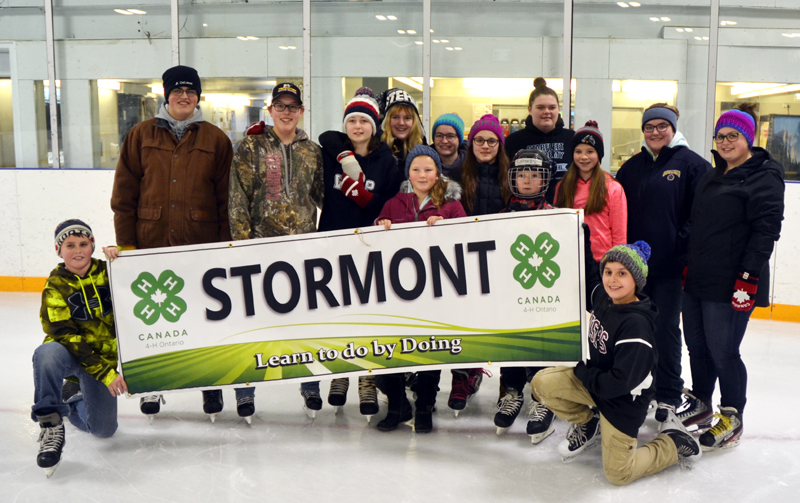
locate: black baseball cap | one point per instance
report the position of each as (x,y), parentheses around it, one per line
(287,88)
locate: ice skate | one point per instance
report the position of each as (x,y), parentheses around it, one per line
(510,405)
(540,422)
(464,387)
(70,389)
(395,417)
(51,442)
(212,403)
(726,433)
(688,447)
(150,405)
(662,411)
(695,412)
(337,396)
(579,438)
(367,397)
(246,407)
(312,402)
(423,419)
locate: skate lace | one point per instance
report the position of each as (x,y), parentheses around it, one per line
(245,400)
(366,389)
(51,438)
(723,426)
(339,386)
(537,412)
(577,435)
(307,395)
(662,405)
(153,398)
(461,389)
(693,408)
(510,404)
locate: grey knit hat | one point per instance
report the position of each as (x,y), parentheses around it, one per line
(634,257)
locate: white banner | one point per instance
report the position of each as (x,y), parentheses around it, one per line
(495,290)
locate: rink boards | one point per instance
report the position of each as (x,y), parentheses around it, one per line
(500,290)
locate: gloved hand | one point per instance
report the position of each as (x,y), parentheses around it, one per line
(683,276)
(354,189)
(255,128)
(334,143)
(587,239)
(744,292)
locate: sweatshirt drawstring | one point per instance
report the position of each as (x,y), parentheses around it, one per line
(85,297)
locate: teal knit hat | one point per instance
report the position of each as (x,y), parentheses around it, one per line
(452,120)
(634,257)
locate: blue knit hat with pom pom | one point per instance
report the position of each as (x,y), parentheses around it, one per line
(634,257)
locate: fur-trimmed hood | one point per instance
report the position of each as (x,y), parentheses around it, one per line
(451,193)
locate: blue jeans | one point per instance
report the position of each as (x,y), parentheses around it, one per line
(666,293)
(94,410)
(714,332)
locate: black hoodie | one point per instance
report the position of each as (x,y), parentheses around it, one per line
(736,219)
(557,144)
(620,371)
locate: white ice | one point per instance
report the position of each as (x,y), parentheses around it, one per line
(285,456)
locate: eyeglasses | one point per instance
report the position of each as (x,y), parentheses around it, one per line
(479,141)
(661,127)
(442,136)
(732,137)
(191,93)
(280,107)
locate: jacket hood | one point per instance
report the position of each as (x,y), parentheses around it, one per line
(761,160)
(644,306)
(299,134)
(462,154)
(96,268)
(451,193)
(534,129)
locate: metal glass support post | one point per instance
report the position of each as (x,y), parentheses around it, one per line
(51,74)
(426,67)
(175,26)
(307,65)
(566,62)
(711,78)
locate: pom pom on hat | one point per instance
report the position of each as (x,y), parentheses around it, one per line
(634,257)
(72,227)
(364,105)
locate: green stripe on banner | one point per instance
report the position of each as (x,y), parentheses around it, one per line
(236,363)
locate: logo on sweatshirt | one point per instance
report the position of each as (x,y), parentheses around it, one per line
(159,297)
(536,262)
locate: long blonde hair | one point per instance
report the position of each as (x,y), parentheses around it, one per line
(414,137)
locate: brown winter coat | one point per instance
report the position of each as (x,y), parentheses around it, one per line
(170,193)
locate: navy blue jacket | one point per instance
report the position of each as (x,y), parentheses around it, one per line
(382,179)
(660,195)
(736,219)
(488,197)
(557,144)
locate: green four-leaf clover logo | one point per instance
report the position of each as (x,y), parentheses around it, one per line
(159,297)
(535,260)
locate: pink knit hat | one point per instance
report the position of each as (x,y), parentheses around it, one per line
(488,123)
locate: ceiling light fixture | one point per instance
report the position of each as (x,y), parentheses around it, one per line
(401,32)
(689,29)
(623,5)
(665,18)
(250,37)
(242,38)
(445,41)
(380,18)
(391,18)
(418,42)
(458,48)
(679,30)
(435,41)
(634,4)
(123,12)
(411,32)
(137,11)
(449,48)
(654,19)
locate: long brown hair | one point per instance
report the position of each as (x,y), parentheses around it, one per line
(373,145)
(469,176)
(598,193)
(540,88)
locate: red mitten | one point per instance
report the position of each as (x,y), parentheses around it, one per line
(744,292)
(255,128)
(354,189)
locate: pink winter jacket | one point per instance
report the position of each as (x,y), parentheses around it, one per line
(609,227)
(403,207)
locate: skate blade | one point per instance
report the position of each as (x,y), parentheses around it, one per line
(501,430)
(48,472)
(336,409)
(310,412)
(369,419)
(538,437)
(213,417)
(249,419)
(150,418)
(456,412)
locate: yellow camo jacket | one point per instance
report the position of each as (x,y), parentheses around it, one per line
(76,313)
(275,189)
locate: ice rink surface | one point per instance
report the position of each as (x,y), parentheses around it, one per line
(285,456)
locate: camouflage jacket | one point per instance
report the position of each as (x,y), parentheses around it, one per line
(76,312)
(275,189)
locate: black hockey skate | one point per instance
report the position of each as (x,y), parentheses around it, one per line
(51,442)
(212,403)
